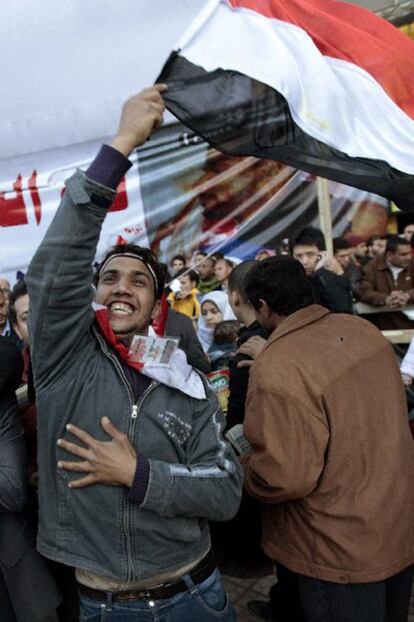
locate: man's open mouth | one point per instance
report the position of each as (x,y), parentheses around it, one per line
(121,308)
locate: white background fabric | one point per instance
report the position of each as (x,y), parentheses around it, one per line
(66,69)
(68,65)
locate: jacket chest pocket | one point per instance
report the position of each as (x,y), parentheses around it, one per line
(164,434)
(175,427)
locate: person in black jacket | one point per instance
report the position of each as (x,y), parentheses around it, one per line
(331,288)
(68,610)
(237,542)
(180,326)
(27,590)
(343,255)
(244,312)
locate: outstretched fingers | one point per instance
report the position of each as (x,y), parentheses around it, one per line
(80,466)
(111,430)
(74,449)
(88,480)
(83,436)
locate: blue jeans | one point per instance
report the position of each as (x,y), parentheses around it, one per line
(204,602)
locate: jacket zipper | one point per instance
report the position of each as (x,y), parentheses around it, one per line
(130,431)
(126,517)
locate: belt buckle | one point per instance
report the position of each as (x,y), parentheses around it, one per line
(148,598)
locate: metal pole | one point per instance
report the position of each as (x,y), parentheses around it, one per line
(324,207)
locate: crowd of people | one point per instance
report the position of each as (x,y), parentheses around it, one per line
(281,437)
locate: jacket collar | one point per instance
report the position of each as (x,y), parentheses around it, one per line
(177,375)
(297,320)
(382,263)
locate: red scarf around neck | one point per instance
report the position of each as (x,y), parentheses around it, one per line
(106,331)
(160,321)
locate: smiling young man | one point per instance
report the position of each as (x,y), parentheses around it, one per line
(126,288)
(132,464)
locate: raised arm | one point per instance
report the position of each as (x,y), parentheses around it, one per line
(60,274)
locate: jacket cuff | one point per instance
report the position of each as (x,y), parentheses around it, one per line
(139,486)
(109,167)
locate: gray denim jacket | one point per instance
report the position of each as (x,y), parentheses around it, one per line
(194,475)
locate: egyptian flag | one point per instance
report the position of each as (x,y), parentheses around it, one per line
(324,86)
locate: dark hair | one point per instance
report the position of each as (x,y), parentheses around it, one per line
(180,258)
(143,254)
(309,236)
(226,332)
(19,290)
(194,276)
(208,258)
(374,238)
(217,255)
(237,278)
(394,241)
(229,262)
(340,244)
(282,282)
(164,269)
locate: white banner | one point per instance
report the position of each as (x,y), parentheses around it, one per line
(38,182)
(67,68)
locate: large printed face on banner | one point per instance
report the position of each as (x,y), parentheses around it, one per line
(207,199)
(201,198)
(179,196)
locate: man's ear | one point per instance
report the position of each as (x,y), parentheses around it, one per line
(265,310)
(234,299)
(156,309)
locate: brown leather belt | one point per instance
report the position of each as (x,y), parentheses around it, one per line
(198,574)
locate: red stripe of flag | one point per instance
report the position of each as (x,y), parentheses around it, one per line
(34,193)
(352,34)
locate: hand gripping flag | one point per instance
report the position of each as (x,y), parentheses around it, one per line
(324,86)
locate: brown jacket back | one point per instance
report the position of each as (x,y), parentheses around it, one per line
(333,458)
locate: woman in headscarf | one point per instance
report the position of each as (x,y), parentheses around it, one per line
(215,308)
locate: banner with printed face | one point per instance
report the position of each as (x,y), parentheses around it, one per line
(178,197)
(195,197)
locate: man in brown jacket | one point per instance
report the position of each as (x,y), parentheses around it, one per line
(388,281)
(332,457)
